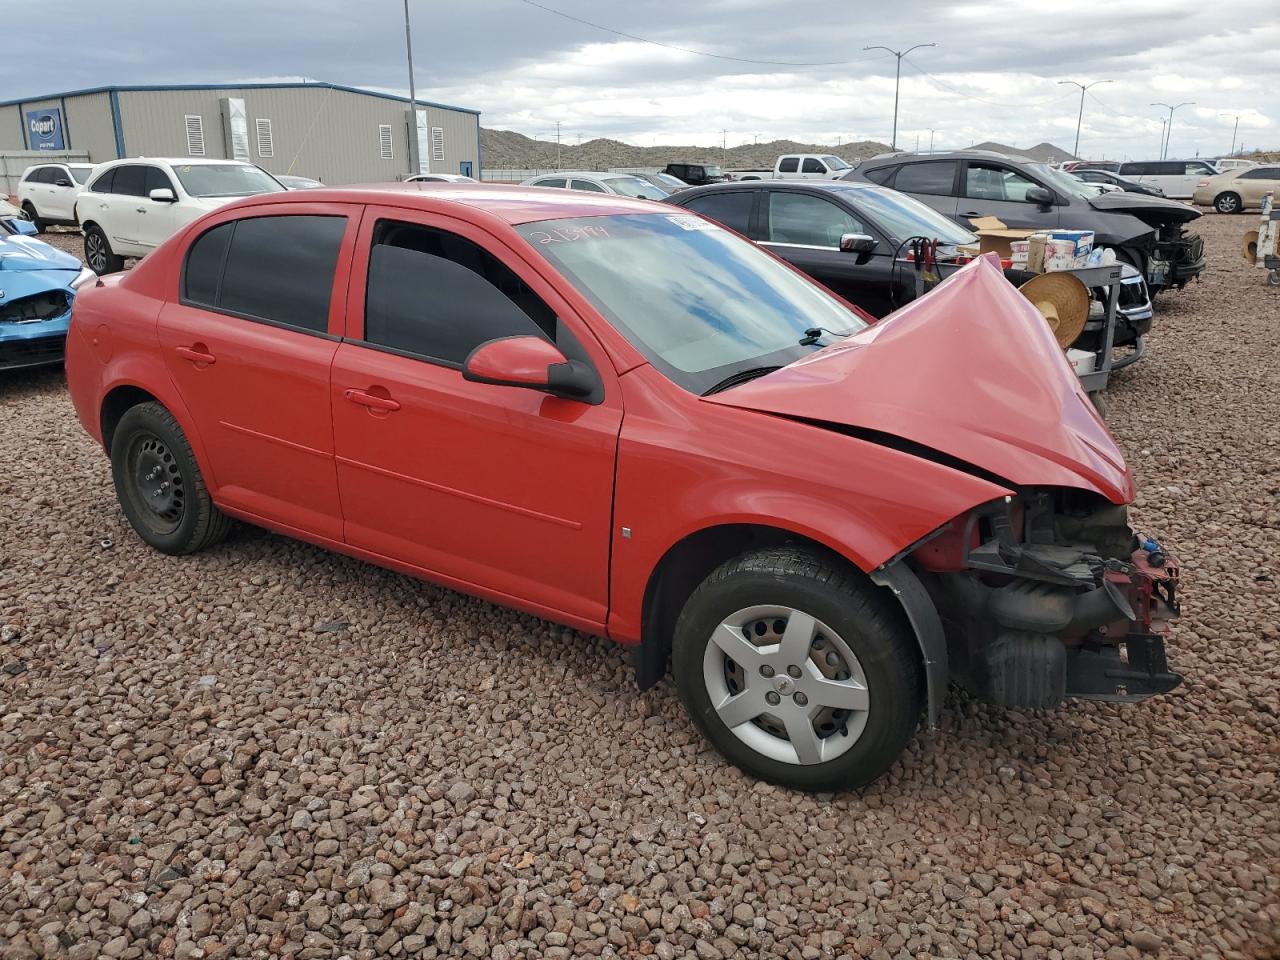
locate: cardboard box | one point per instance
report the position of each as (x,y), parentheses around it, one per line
(1081,242)
(995,237)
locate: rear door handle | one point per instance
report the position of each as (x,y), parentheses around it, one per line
(972,213)
(371,401)
(197,354)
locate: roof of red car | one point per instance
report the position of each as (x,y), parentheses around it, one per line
(514,204)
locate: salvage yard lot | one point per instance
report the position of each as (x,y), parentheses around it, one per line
(269,749)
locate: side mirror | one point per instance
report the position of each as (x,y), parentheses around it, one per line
(858,243)
(62,182)
(1040,196)
(162,195)
(530,362)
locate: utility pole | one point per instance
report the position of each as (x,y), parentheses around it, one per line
(1168,130)
(917,149)
(1080,116)
(1234,131)
(413,98)
(724,148)
(897,80)
(558,145)
(931,139)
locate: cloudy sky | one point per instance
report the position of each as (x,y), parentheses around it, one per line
(754,68)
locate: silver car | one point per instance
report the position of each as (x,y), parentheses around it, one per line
(622,184)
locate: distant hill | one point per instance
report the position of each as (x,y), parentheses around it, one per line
(1042,152)
(506,149)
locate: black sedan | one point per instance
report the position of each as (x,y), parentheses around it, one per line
(804,222)
(1115,180)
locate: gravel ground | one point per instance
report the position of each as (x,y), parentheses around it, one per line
(270,750)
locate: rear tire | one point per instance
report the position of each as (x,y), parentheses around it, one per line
(30,210)
(821,686)
(1228,202)
(98,253)
(159,484)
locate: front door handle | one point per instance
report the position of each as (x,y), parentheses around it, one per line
(196,354)
(972,213)
(141,209)
(371,401)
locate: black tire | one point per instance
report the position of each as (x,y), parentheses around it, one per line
(1228,202)
(866,619)
(98,253)
(159,485)
(30,210)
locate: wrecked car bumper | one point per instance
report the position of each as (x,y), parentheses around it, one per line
(33,344)
(1051,595)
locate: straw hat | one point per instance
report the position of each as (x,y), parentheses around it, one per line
(1249,249)
(1063,301)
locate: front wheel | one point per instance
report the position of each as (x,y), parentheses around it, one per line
(98,253)
(797,671)
(1227,202)
(159,484)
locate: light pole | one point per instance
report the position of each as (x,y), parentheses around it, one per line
(931,139)
(897,79)
(1163,124)
(1080,116)
(413,99)
(1234,131)
(1168,130)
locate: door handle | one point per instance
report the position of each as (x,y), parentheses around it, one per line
(371,401)
(972,213)
(140,209)
(197,354)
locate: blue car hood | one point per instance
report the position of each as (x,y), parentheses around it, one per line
(25,253)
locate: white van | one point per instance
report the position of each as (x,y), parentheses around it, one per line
(1177,178)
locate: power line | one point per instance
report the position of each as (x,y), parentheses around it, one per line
(698,53)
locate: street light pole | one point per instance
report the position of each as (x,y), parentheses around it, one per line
(1168,130)
(1234,131)
(1080,116)
(413,99)
(897,80)
(931,139)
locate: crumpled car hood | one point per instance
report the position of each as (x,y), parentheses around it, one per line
(24,253)
(1152,210)
(971,371)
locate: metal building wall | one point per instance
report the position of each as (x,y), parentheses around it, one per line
(88,123)
(316,131)
(11,128)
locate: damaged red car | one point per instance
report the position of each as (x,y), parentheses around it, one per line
(641,425)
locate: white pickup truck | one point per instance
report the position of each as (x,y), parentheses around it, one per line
(799,166)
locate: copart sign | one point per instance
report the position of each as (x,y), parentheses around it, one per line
(44,129)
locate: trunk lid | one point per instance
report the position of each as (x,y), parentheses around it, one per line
(970,371)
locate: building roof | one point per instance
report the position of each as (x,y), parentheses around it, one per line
(314,84)
(513,204)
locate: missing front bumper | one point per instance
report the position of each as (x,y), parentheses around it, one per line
(1126,674)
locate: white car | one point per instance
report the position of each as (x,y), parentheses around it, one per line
(809,166)
(130,207)
(439,178)
(1177,178)
(623,184)
(47,192)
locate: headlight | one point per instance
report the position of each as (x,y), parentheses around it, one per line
(85,276)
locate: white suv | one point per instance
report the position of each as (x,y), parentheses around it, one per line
(47,192)
(129,207)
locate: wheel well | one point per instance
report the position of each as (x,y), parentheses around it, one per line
(681,569)
(115,405)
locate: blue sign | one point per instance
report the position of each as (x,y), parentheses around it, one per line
(44,129)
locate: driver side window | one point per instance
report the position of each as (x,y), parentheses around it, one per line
(799,218)
(438,296)
(989,181)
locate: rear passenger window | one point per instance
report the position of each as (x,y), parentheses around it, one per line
(437,295)
(588,186)
(933,178)
(732,208)
(273,269)
(789,165)
(881,175)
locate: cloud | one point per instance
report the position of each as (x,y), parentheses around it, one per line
(993,74)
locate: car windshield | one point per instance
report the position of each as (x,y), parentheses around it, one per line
(835,163)
(669,181)
(80,171)
(635,187)
(712,170)
(701,303)
(225,180)
(902,217)
(1062,181)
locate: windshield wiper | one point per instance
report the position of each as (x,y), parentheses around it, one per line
(742,376)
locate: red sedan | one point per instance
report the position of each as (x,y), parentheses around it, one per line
(635,422)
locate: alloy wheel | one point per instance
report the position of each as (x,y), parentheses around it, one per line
(96,248)
(786,684)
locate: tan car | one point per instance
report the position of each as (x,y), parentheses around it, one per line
(1238,190)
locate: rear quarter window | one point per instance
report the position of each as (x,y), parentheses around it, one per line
(881,175)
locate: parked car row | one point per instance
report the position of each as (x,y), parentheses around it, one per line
(819,522)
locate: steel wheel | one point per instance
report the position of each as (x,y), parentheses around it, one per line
(156,486)
(786,685)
